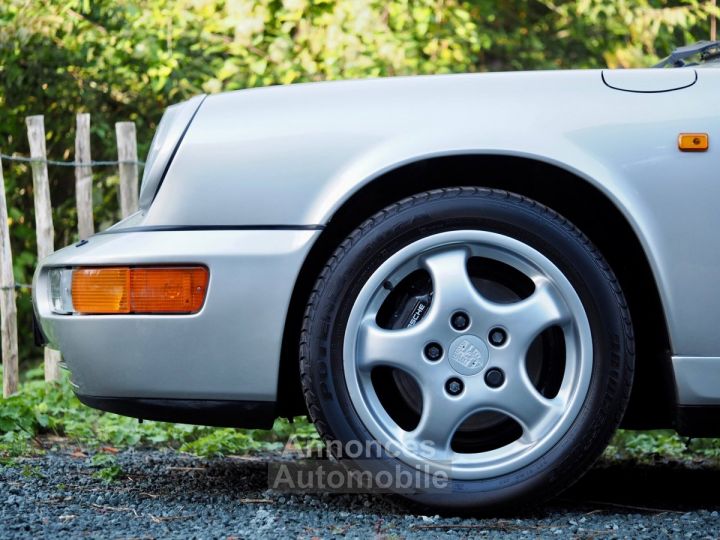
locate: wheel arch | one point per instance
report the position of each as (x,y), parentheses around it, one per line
(567,192)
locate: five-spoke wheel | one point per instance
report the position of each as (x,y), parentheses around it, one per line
(485,366)
(473,334)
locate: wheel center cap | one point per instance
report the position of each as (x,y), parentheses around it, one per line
(468,355)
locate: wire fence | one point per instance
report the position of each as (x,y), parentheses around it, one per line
(127,164)
(57,163)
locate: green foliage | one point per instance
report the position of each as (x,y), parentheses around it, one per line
(29,471)
(40,408)
(224,442)
(108,474)
(107,467)
(662,444)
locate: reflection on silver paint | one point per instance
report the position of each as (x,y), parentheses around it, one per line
(167,137)
(295,154)
(229,350)
(697,380)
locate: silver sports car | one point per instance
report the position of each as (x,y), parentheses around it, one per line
(476,278)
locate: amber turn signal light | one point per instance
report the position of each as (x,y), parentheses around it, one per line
(123,290)
(693,142)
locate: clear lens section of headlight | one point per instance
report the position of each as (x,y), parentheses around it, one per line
(61,290)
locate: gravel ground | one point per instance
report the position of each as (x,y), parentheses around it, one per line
(164,494)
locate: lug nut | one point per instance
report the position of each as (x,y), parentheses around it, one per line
(497,337)
(433,351)
(454,386)
(460,320)
(494,378)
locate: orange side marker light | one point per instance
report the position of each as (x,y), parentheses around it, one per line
(693,142)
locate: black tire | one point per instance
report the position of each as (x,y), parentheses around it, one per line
(362,252)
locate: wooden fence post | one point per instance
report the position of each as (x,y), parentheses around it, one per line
(43,216)
(83,177)
(127,155)
(8,310)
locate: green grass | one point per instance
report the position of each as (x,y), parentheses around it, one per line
(652,446)
(41,409)
(108,469)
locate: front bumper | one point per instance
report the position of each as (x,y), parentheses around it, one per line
(230,350)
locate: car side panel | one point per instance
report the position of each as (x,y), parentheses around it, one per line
(293,155)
